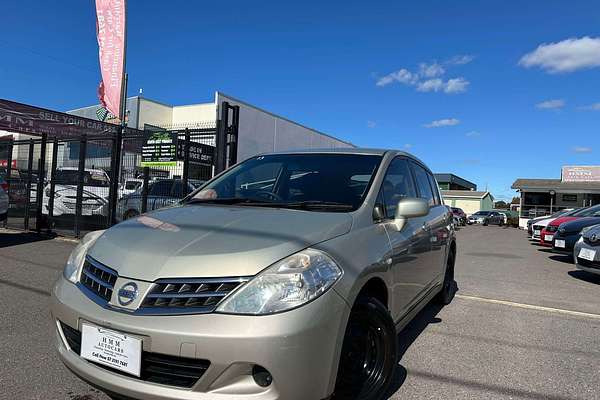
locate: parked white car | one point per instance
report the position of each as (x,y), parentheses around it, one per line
(129,186)
(538,226)
(95,192)
(3,199)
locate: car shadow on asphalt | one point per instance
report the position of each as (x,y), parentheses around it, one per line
(585,276)
(427,316)
(8,239)
(562,258)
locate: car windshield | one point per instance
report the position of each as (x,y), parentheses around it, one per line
(588,212)
(90,178)
(483,213)
(338,182)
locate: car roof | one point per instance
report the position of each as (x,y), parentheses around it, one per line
(349,150)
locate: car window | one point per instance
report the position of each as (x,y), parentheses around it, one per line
(422,179)
(161,188)
(434,187)
(291,179)
(397,184)
(132,185)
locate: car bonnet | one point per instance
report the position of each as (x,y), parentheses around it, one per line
(212,241)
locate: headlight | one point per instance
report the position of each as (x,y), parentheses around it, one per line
(287,284)
(75,261)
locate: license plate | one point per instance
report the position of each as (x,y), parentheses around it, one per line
(111,348)
(587,254)
(537,232)
(560,243)
(548,238)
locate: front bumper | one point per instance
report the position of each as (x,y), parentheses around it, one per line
(569,240)
(300,348)
(593,267)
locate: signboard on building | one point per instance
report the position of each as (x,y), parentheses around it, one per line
(199,153)
(581,173)
(23,118)
(159,149)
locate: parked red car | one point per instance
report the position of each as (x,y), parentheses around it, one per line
(460,215)
(547,236)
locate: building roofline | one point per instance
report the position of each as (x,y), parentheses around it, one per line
(217,93)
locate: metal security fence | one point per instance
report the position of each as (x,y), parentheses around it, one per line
(72,186)
(75,175)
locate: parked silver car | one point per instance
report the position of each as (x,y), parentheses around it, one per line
(161,193)
(287,277)
(587,250)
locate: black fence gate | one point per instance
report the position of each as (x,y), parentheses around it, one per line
(74,175)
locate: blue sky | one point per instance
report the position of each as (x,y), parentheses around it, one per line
(377,73)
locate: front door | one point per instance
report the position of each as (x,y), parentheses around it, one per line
(411,246)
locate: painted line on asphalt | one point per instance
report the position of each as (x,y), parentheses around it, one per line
(529,306)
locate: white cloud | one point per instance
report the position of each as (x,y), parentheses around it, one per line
(408,146)
(402,76)
(429,77)
(442,122)
(457,85)
(592,107)
(371,124)
(566,56)
(430,85)
(431,70)
(460,60)
(582,149)
(472,134)
(551,104)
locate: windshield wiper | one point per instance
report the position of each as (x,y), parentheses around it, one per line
(312,205)
(304,205)
(227,200)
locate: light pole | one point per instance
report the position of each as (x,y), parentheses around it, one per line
(552,193)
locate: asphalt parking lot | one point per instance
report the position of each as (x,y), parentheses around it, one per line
(524,325)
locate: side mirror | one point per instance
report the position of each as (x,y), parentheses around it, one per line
(378,212)
(410,208)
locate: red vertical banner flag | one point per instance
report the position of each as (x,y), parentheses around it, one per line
(110,31)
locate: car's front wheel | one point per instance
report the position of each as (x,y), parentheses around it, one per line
(369,353)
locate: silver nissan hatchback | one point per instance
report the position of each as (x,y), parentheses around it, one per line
(288,276)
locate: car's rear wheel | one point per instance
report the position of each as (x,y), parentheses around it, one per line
(369,353)
(448,291)
(130,214)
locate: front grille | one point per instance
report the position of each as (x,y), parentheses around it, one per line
(98,278)
(589,241)
(538,227)
(551,228)
(189,295)
(155,368)
(587,263)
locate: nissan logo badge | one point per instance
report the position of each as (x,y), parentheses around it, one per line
(127,293)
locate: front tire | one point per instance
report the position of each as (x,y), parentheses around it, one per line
(369,353)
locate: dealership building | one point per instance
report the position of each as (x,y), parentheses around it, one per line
(258,130)
(578,186)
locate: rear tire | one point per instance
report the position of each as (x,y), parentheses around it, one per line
(130,214)
(445,296)
(369,353)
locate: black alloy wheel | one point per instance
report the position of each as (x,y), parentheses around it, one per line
(369,353)
(448,291)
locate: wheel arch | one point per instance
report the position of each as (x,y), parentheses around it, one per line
(377,288)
